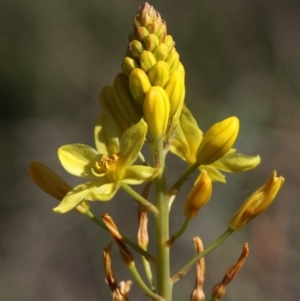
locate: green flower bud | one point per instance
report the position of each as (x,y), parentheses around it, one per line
(169,42)
(151,42)
(156,111)
(218,140)
(199,195)
(109,104)
(139,85)
(175,90)
(161,52)
(173,60)
(136,48)
(141,33)
(124,99)
(258,202)
(147,60)
(159,74)
(128,65)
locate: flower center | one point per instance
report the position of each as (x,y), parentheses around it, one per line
(107,163)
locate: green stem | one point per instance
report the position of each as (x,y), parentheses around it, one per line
(164,285)
(174,189)
(128,241)
(179,232)
(139,198)
(207,250)
(148,272)
(142,284)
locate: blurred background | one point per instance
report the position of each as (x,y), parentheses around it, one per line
(241,57)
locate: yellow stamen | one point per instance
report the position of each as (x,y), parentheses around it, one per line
(107,163)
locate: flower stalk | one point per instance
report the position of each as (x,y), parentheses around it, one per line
(145,107)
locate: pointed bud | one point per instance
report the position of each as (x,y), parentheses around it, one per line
(159,74)
(151,42)
(175,90)
(109,104)
(199,195)
(128,65)
(141,33)
(173,60)
(156,111)
(139,85)
(218,140)
(148,17)
(169,42)
(258,202)
(124,99)
(147,60)
(219,289)
(161,52)
(52,184)
(136,48)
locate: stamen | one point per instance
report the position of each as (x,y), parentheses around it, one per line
(107,163)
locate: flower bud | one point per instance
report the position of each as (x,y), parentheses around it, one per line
(124,99)
(169,42)
(48,180)
(175,90)
(173,60)
(141,33)
(199,195)
(139,85)
(159,74)
(258,202)
(161,52)
(156,111)
(147,60)
(151,42)
(128,65)
(148,17)
(218,140)
(109,104)
(136,48)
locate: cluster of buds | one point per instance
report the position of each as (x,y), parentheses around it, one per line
(152,83)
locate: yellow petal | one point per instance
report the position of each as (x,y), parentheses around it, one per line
(78,159)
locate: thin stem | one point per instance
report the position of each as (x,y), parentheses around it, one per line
(142,284)
(148,272)
(179,232)
(174,189)
(164,285)
(207,250)
(139,198)
(128,241)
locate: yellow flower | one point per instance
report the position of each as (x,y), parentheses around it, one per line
(258,202)
(186,144)
(108,166)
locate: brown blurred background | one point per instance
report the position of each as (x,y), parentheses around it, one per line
(241,57)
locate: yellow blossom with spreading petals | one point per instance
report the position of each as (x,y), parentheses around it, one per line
(109,165)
